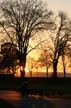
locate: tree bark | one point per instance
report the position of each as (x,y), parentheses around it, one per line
(55,69)
(23,63)
(64,65)
(47,70)
(55,63)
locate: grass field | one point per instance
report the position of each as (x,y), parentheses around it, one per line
(48,86)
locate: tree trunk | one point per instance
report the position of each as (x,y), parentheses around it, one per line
(22,70)
(22,57)
(22,73)
(22,64)
(55,63)
(64,72)
(31,68)
(64,65)
(46,67)
(47,70)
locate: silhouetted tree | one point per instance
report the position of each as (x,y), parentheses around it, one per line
(61,42)
(9,57)
(66,56)
(30,65)
(30,70)
(45,59)
(20,20)
(64,65)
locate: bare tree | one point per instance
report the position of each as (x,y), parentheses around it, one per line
(45,59)
(31,68)
(20,20)
(64,65)
(66,56)
(62,39)
(30,65)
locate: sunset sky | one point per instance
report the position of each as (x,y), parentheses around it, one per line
(59,5)
(54,5)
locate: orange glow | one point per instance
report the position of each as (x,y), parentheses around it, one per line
(26,69)
(21,68)
(35,96)
(18,74)
(39,71)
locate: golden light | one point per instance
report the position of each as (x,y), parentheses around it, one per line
(26,69)
(21,68)
(18,70)
(18,74)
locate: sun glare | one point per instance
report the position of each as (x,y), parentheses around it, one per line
(26,69)
(18,74)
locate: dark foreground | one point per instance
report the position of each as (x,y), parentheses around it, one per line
(13,99)
(54,93)
(48,86)
(5,104)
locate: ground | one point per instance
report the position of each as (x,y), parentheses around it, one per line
(48,86)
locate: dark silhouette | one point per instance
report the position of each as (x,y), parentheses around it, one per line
(45,59)
(26,89)
(5,104)
(61,42)
(9,56)
(21,20)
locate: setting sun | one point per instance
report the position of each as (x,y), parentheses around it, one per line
(18,71)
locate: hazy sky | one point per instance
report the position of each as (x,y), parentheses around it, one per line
(57,5)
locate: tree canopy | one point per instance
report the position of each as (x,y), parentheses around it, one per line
(22,19)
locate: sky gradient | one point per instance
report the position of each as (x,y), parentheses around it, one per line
(56,5)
